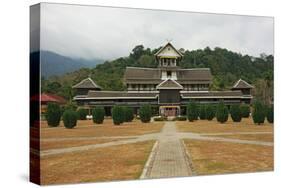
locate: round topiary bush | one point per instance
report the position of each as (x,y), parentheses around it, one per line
(98,114)
(69,118)
(210,112)
(270,114)
(53,114)
(235,113)
(128,114)
(245,110)
(145,113)
(258,113)
(222,113)
(192,111)
(82,114)
(118,115)
(202,112)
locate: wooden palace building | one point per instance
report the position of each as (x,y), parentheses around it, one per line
(168,88)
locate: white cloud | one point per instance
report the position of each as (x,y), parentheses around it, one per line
(103,32)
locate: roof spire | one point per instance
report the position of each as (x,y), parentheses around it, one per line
(169,40)
(90,75)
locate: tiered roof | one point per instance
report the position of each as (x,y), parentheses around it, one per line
(212,94)
(117,95)
(139,75)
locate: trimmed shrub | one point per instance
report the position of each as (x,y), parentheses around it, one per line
(69,106)
(145,113)
(258,113)
(235,113)
(69,118)
(210,112)
(128,114)
(181,118)
(160,119)
(222,113)
(245,110)
(98,115)
(53,114)
(202,112)
(192,111)
(118,115)
(270,114)
(82,114)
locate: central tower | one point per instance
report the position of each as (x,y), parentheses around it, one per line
(168,58)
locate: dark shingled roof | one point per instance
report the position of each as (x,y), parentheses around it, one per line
(87,83)
(213,94)
(119,94)
(242,84)
(199,74)
(142,75)
(169,84)
(153,75)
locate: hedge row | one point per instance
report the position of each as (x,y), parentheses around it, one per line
(122,114)
(236,112)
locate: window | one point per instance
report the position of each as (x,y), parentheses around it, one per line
(144,87)
(169,74)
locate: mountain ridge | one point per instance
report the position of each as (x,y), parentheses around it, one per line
(54,64)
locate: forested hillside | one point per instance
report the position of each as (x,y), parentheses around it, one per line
(55,64)
(226,67)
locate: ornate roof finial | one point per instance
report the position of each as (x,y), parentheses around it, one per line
(169,40)
(90,75)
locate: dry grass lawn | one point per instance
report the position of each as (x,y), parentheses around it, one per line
(110,163)
(255,137)
(45,145)
(221,157)
(205,126)
(86,128)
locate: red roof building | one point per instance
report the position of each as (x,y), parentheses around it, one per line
(47,97)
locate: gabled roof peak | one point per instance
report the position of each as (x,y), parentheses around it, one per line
(169,84)
(165,46)
(242,84)
(87,83)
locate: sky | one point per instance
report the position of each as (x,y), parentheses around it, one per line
(107,33)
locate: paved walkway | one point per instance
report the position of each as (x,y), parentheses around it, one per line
(168,134)
(170,158)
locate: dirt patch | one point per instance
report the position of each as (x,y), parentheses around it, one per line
(221,157)
(122,162)
(205,126)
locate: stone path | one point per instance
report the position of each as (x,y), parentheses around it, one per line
(168,133)
(170,158)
